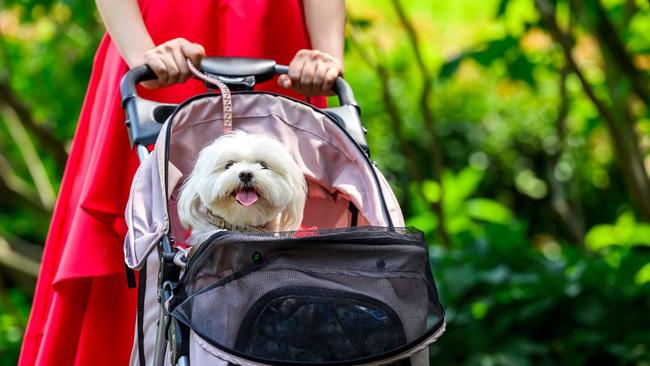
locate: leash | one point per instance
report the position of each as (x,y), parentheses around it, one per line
(225,95)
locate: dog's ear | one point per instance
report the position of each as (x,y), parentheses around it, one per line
(189,202)
(291,217)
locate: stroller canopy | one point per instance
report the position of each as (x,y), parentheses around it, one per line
(340,176)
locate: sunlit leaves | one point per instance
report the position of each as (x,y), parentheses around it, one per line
(529,184)
(46,51)
(488,210)
(458,187)
(625,232)
(643,276)
(463,211)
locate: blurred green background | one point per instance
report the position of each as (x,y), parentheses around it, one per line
(515,133)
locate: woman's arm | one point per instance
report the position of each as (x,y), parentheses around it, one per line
(313,72)
(123,21)
(326,25)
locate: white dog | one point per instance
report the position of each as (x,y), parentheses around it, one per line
(242,182)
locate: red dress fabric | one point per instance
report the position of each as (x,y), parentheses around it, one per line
(83,313)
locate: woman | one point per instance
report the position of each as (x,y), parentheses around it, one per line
(83,312)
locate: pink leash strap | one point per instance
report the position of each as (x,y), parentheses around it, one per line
(225,96)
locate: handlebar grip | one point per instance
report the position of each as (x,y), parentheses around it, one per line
(344,92)
(131,79)
(144,73)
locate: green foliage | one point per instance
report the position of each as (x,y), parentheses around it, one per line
(14,311)
(546,260)
(626,231)
(465,214)
(512,304)
(46,53)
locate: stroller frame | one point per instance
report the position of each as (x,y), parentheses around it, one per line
(144,120)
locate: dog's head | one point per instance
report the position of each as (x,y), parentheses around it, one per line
(246,179)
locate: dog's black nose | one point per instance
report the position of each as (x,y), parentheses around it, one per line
(246,176)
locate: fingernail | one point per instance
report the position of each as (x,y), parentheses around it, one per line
(285,83)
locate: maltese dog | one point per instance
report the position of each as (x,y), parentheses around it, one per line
(242,182)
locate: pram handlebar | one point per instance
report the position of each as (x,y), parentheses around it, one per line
(144,117)
(233,70)
(131,79)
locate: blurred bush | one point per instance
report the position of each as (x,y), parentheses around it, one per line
(14,311)
(513,303)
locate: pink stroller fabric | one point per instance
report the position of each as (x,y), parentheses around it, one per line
(336,169)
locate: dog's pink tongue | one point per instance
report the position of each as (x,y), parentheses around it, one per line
(246,198)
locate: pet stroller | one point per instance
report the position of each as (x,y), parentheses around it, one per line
(357,290)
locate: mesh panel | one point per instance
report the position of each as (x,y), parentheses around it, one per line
(332,296)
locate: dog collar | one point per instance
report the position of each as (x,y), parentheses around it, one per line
(221,223)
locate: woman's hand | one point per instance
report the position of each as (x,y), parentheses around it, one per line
(168,61)
(312,72)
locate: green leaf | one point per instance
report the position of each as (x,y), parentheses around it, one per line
(459,187)
(494,50)
(503,6)
(522,69)
(601,236)
(362,23)
(427,222)
(529,184)
(431,191)
(640,236)
(450,67)
(479,309)
(626,231)
(643,275)
(489,210)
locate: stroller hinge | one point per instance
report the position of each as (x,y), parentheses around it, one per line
(178,337)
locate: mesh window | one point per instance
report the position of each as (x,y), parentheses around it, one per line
(332,296)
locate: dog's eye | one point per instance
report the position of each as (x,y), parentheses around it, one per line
(228,165)
(264,165)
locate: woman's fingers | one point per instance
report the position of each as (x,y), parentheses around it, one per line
(194,51)
(181,63)
(295,71)
(307,77)
(173,72)
(284,81)
(312,72)
(168,61)
(330,77)
(158,67)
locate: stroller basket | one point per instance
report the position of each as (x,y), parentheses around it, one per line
(335,297)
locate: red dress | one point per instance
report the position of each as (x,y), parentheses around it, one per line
(83,313)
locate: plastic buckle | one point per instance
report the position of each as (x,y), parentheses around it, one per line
(180,259)
(235,83)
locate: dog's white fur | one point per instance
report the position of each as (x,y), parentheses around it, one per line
(215,178)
